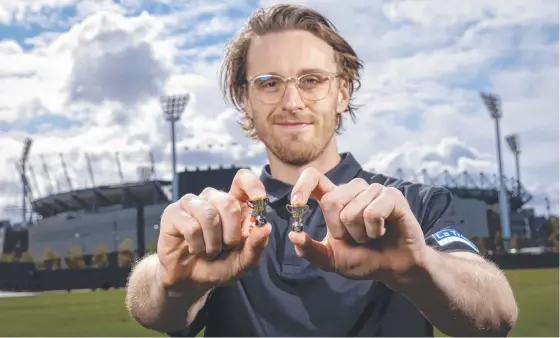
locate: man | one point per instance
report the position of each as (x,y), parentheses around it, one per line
(377,257)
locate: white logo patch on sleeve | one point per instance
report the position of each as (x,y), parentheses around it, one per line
(449,236)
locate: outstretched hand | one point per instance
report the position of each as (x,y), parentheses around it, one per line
(371,230)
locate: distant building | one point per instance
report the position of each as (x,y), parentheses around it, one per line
(87,219)
(106,215)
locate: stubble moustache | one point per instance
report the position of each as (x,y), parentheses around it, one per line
(291,149)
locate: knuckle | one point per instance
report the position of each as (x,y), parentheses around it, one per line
(359,182)
(230,241)
(167,214)
(207,192)
(371,214)
(192,230)
(169,209)
(377,186)
(348,216)
(330,201)
(213,249)
(376,189)
(184,201)
(187,197)
(336,234)
(392,191)
(231,205)
(209,213)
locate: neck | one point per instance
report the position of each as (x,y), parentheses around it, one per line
(289,174)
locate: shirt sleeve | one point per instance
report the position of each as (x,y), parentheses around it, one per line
(443,228)
(433,207)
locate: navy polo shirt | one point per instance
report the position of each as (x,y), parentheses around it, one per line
(288,296)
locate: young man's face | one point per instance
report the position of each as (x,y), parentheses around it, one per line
(298,125)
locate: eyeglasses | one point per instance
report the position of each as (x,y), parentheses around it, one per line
(312,86)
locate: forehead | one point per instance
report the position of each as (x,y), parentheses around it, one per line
(288,53)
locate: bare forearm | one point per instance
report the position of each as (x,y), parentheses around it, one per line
(462,297)
(154,306)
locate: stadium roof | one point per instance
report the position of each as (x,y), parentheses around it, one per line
(91,199)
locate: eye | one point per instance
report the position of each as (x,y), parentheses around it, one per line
(312,81)
(267,82)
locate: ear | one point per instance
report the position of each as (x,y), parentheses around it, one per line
(246,102)
(343,95)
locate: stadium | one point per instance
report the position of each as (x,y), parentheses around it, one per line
(125,216)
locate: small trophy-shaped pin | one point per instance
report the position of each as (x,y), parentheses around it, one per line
(297,211)
(258,207)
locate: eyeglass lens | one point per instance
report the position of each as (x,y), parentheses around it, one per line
(271,88)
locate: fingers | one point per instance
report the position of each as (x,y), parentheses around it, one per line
(389,205)
(352,215)
(334,202)
(209,222)
(229,210)
(177,222)
(207,236)
(317,253)
(254,245)
(246,185)
(310,183)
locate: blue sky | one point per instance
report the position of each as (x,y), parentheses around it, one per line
(86,76)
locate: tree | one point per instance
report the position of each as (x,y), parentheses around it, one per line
(49,259)
(101,256)
(126,253)
(26,257)
(8,258)
(75,258)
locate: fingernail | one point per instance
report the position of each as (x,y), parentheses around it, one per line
(296,199)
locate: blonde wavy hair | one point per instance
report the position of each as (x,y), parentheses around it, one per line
(274,19)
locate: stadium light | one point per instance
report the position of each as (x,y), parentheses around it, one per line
(23,164)
(513,143)
(493,104)
(173,107)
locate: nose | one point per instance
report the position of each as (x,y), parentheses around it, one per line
(292,99)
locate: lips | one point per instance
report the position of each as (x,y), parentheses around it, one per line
(290,123)
(293,126)
(293,123)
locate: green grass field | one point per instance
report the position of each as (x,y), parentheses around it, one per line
(102,313)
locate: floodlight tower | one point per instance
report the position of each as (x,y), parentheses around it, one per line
(173,107)
(493,104)
(23,163)
(513,143)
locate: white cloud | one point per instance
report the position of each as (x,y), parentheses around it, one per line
(425,61)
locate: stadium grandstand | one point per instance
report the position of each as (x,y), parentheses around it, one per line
(109,216)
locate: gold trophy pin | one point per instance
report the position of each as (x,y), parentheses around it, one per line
(258,206)
(297,211)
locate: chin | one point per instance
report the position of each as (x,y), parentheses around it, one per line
(297,160)
(296,154)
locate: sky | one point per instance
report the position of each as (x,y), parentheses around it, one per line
(85,76)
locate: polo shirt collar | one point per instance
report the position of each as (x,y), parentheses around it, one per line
(342,173)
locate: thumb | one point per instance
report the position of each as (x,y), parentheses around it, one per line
(317,253)
(254,245)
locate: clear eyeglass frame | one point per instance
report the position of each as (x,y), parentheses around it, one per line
(297,81)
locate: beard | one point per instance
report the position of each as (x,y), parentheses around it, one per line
(297,149)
